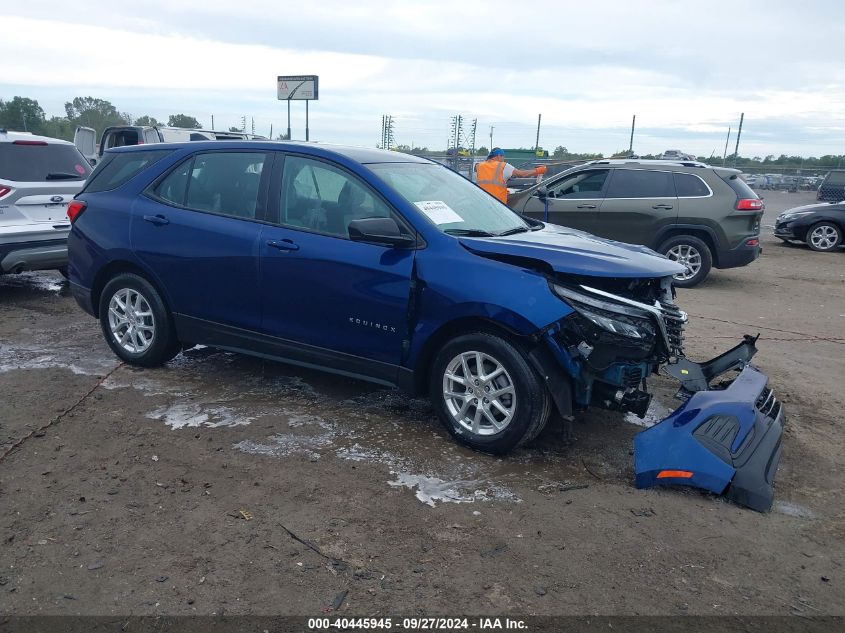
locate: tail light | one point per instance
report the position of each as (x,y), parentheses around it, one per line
(749,204)
(752,242)
(4,190)
(29,142)
(75,209)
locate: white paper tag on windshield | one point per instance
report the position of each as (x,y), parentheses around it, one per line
(439,212)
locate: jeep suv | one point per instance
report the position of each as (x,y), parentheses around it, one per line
(38,178)
(698,215)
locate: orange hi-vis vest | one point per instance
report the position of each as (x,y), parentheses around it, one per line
(491,179)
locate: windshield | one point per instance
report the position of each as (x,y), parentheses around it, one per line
(449,200)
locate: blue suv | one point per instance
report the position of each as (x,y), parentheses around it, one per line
(394,269)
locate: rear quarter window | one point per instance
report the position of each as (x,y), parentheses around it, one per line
(690,186)
(40,162)
(740,187)
(116,169)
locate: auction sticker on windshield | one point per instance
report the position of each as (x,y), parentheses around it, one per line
(438,211)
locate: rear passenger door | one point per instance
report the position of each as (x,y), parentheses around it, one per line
(198,230)
(639,202)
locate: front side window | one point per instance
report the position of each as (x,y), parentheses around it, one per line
(641,183)
(583,184)
(319,197)
(223,182)
(448,200)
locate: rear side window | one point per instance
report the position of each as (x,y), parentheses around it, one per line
(641,183)
(117,169)
(690,186)
(740,187)
(224,182)
(35,161)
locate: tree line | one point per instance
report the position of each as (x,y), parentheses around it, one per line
(24,114)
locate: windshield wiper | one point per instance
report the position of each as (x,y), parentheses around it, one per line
(60,175)
(469,232)
(513,231)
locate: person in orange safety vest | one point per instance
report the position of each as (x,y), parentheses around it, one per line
(493,174)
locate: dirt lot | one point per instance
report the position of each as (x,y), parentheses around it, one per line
(134,501)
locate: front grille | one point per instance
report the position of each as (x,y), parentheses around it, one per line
(673,323)
(767,404)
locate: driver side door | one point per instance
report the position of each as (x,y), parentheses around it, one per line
(573,200)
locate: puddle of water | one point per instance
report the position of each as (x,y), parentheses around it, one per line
(179,416)
(655,413)
(286,445)
(37,280)
(37,357)
(793,510)
(429,490)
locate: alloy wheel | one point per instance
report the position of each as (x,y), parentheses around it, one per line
(689,257)
(131,320)
(479,393)
(824,237)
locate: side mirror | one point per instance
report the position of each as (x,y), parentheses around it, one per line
(541,191)
(384,231)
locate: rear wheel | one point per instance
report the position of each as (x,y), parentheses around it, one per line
(135,322)
(693,254)
(824,237)
(486,394)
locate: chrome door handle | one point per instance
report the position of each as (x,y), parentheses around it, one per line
(585,206)
(283,245)
(158,220)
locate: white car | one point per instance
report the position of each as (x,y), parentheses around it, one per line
(39,176)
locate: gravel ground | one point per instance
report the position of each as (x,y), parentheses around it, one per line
(222,483)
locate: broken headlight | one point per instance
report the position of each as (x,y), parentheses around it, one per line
(621,320)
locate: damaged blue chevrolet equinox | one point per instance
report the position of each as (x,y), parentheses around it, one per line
(394,269)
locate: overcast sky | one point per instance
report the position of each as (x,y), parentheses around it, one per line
(686,69)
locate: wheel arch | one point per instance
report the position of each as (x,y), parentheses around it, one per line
(117,267)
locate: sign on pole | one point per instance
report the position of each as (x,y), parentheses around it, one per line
(297,87)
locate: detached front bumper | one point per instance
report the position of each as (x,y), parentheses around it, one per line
(725,438)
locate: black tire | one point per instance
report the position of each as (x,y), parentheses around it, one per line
(698,246)
(530,408)
(824,237)
(158,344)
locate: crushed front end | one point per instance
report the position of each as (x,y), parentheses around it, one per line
(724,438)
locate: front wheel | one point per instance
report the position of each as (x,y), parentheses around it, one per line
(824,237)
(135,322)
(487,395)
(693,254)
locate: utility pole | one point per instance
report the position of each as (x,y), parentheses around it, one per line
(381,142)
(306,119)
(727,140)
(243,123)
(288,120)
(491,138)
(390,140)
(738,134)
(631,143)
(212,121)
(387,140)
(537,142)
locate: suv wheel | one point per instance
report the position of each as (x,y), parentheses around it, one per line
(824,237)
(692,253)
(487,395)
(135,322)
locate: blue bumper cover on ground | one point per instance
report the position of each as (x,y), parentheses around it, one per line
(725,439)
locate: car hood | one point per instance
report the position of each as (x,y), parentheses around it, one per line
(575,252)
(820,206)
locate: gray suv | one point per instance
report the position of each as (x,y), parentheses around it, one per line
(38,178)
(698,215)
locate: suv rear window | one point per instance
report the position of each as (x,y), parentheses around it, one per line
(29,162)
(116,169)
(739,186)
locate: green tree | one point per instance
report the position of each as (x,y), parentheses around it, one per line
(182,120)
(96,113)
(59,127)
(482,151)
(146,120)
(235,129)
(22,114)
(560,152)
